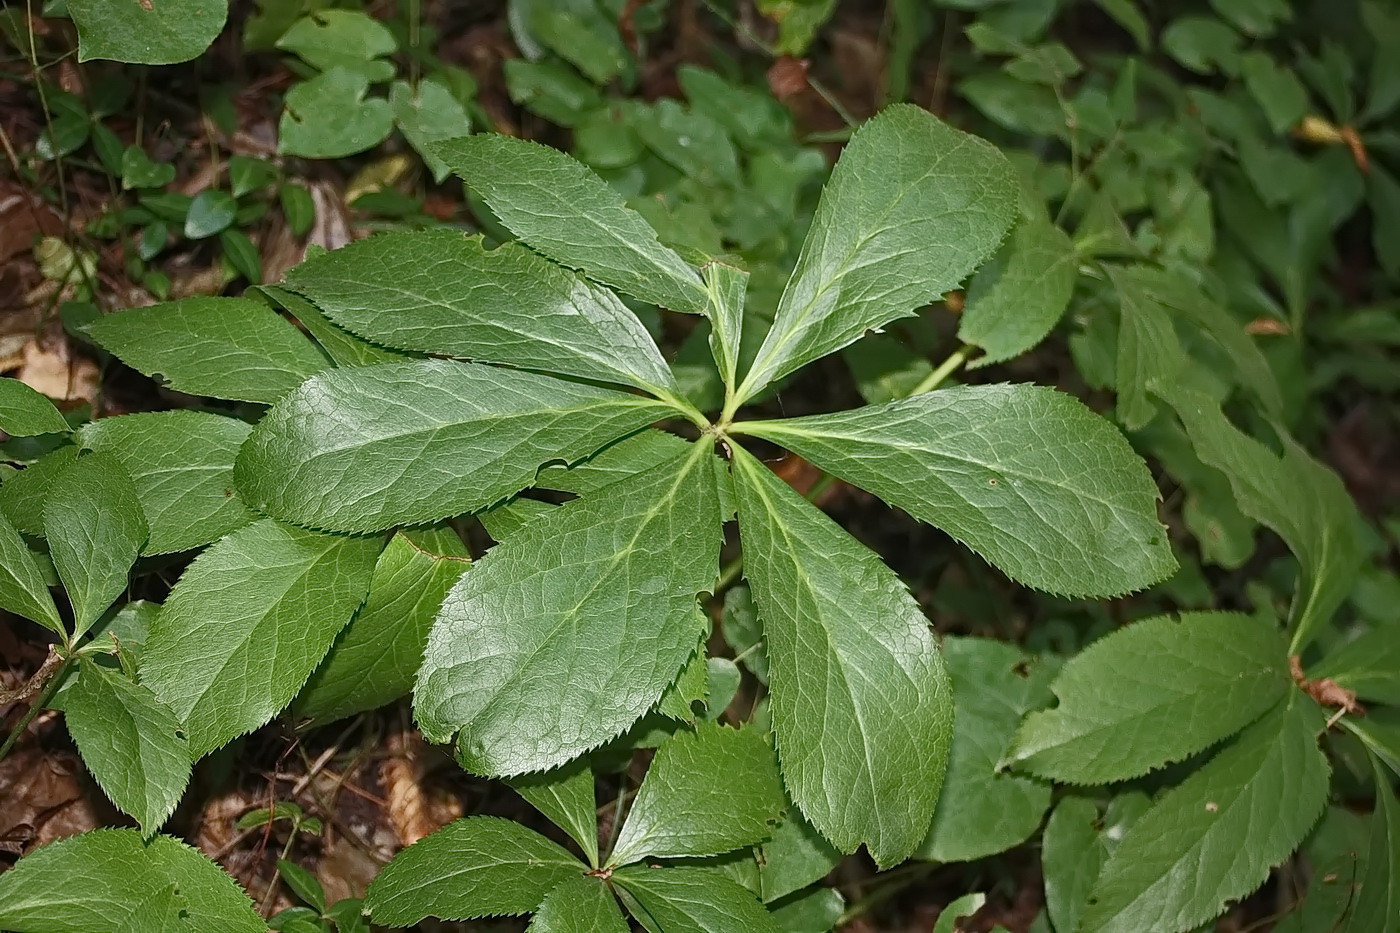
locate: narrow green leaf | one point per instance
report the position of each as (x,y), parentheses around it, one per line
(97,880)
(860,700)
(565,634)
(232,348)
(691,900)
(1016,299)
(22,587)
(130,741)
(565,795)
(165,34)
(481,866)
(375,657)
(684,807)
(1026,476)
(1213,838)
(181,465)
(1377,906)
(372,447)
(579,905)
(1149,352)
(247,624)
(340,345)
(983,811)
(726,285)
(304,884)
(95,528)
(1154,692)
(558,206)
(1299,498)
(438,291)
(912,207)
(25,412)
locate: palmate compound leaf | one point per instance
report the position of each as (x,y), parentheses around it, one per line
(1214,837)
(232,348)
(97,880)
(248,622)
(131,742)
(181,465)
(481,866)
(559,207)
(368,448)
(861,704)
(912,207)
(566,633)
(709,791)
(1026,476)
(691,900)
(1151,693)
(581,904)
(375,657)
(438,291)
(1299,498)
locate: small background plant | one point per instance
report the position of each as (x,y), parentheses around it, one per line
(534,557)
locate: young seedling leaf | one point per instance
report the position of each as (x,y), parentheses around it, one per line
(579,905)
(861,705)
(437,291)
(25,412)
(481,866)
(1214,837)
(559,207)
(130,741)
(1151,693)
(565,795)
(983,811)
(375,657)
(912,207)
(566,633)
(232,348)
(97,880)
(181,465)
(248,622)
(95,529)
(377,446)
(709,791)
(1027,477)
(694,900)
(22,587)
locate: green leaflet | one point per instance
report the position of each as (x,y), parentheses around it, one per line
(565,795)
(709,791)
(375,657)
(1214,837)
(1027,477)
(1016,299)
(480,866)
(560,208)
(727,286)
(23,494)
(25,412)
(912,207)
(579,905)
(175,31)
(95,529)
(427,114)
(691,900)
(563,635)
(1299,498)
(340,345)
(1149,352)
(1377,906)
(1336,852)
(22,587)
(130,741)
(1370,665)
(97,880)
(438,291)
(1076,842)
(983,811)
(247,624)
(232,348)
(181,465)
(860,700)
(372,447)
(1151,693)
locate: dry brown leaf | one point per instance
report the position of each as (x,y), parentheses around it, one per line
(49,366)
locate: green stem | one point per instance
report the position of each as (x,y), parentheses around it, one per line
(40,702)
(952,364)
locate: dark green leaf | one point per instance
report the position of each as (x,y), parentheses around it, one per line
(329,117)
(241,254)
(210,212)
(1370,665)
(1377,906)
(579,905)
(24,412)
(22,587)
(427,114)
(692,900)
(304,884)
(565,796)
(1149,352)
(350,39)
(340,345)
(155,34)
